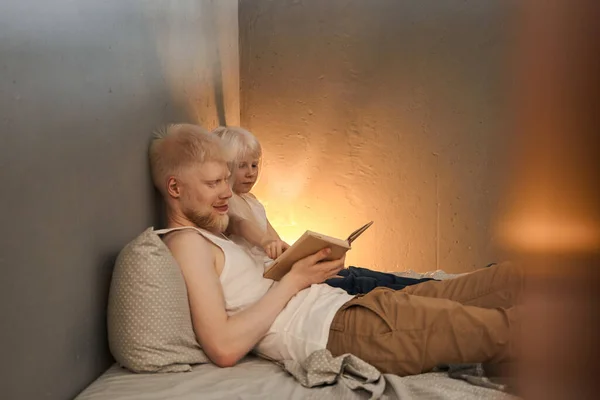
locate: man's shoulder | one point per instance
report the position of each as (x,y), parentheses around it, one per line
(192,251)
(185,240)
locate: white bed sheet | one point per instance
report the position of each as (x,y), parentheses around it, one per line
(255,378)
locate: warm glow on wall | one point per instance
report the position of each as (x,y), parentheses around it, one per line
(288,228)
(288,194)
(291,224)
(367,117)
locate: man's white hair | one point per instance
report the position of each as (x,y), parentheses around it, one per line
(178,146)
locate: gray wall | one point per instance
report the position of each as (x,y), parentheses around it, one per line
(82,84)
(384,109)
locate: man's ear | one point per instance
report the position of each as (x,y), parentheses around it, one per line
(173,188)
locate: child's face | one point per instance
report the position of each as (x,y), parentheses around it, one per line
(245,174)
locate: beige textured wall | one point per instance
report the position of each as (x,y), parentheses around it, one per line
(382,110)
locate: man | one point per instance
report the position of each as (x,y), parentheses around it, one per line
(235,310)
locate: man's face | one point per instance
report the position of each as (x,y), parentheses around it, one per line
(245,173)
(205,195)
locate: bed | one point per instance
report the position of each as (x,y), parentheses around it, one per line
(255,378)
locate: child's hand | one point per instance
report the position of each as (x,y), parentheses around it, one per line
(274,248)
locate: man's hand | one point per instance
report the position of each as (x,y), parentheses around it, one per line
(274,247)
(313,269)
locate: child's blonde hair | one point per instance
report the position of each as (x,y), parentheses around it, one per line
(241,144)
(179,146)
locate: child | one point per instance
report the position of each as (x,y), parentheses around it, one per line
(251,228)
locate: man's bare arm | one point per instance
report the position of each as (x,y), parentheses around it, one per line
(227,339)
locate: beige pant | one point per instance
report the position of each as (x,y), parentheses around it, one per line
(469,319)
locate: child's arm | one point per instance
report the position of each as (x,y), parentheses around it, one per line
(249,230)
(276,246)
(271,231)
(242,222)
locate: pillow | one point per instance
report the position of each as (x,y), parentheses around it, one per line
(148,316)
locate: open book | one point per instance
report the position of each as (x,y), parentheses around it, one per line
(310,243)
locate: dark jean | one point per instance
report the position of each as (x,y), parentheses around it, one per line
(356,280)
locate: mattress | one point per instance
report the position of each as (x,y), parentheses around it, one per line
(255,378)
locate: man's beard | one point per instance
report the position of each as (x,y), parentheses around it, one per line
(208,221)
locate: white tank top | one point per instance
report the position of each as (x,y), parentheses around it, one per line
(301,328)
(257,209)
(260,217)
(241,277)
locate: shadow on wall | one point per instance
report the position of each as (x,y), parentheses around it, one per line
(197,46)
(202,75)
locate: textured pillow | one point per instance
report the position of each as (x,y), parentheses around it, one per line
(149,321)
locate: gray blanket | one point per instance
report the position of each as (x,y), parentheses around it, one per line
(350,373)
(350,377)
